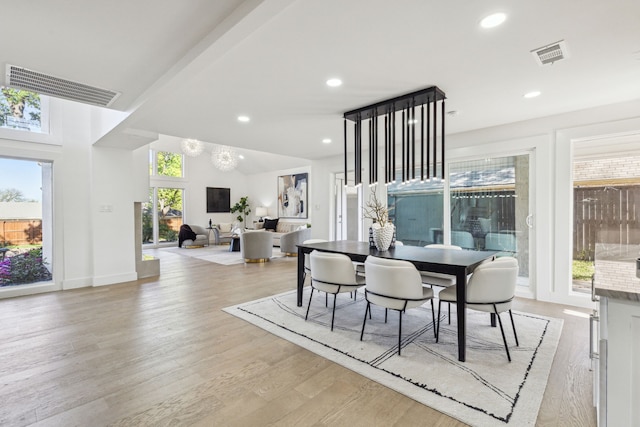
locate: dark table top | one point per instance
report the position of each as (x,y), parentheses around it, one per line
(430,259)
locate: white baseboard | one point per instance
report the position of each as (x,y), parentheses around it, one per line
(113,279)
(82,282)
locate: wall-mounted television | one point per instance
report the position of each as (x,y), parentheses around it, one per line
(218,199)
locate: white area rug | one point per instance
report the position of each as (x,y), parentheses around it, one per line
(486,390)
(216,253)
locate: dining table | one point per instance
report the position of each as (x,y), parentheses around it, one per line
(458,263)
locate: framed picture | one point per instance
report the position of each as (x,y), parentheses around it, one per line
(292,195)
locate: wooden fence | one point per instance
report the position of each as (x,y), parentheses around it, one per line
(20,232)
(605,215)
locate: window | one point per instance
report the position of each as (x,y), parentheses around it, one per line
(21,110)
(166,164)
(606,199)
(162,215)
(416,209)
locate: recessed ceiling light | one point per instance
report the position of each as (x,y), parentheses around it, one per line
(241,156)
(334,82)
(493,20)
(413,121)
(532,94)
(327,141)
(453,113)
(243,119)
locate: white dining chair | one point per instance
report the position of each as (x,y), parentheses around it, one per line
(307,259)
(333,274)
(440,279)
(395,285)
(491,288)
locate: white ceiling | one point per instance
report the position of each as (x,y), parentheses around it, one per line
(188,68)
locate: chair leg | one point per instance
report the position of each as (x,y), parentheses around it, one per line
(399,331)
(433,317)
(449,316)
(365,318)
(385,315)
(514,328)
(438,325)
(326,299)
(333,314)
(309,306)
(504,339)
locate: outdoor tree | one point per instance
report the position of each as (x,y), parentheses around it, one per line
(11,195)
(169,164)
(14,103)
(169,199)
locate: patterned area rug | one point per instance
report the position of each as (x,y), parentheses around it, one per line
(486,390)
(216,253)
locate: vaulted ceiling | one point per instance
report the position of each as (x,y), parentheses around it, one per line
(189,68)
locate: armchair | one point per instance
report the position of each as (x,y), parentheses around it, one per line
(220,237)
(186,237)
(256,246)
(289,241)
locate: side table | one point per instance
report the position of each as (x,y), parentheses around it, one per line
(209,229)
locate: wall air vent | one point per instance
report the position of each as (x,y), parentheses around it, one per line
(551,53)
(23,78)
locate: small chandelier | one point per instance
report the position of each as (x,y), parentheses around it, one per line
(224,158)
(192,147)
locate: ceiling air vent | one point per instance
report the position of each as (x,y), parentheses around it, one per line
(551,53)
(23,78)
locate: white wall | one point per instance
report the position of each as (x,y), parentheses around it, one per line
(112,208)
(87,248)
(262,190)
(200,174)
(73,195)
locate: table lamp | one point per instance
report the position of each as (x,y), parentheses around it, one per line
(261,211)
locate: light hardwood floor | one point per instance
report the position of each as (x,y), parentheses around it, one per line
(159,352)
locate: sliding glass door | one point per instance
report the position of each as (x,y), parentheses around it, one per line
(490,207)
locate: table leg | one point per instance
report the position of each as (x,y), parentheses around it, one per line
(461,296)
(300,275)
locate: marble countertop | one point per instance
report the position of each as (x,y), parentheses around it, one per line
(617,279)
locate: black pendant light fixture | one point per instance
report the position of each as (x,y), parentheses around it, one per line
(418,108)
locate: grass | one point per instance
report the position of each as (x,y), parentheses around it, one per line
(582,270)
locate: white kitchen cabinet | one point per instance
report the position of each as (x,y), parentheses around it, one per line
(617,376)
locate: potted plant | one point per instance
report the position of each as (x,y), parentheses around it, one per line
(383,229)
(242,207)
